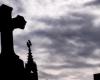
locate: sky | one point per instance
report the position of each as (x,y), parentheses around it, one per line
(64,34)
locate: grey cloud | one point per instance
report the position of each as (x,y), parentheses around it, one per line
(19,5)
(75,65)
(66,21)
(86,35)
(59,34)
(16,4)
(49,76)
(94,2)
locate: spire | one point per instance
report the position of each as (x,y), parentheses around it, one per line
(30,57)
(29,44)
(31,67)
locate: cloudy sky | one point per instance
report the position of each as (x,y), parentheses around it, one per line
(64,34)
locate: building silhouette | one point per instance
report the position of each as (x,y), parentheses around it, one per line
(97,76)
(11,67)
(31,67)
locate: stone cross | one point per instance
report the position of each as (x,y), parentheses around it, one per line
(7,25)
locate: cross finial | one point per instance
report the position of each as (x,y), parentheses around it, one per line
(29,44)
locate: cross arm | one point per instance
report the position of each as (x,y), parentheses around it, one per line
(18,22)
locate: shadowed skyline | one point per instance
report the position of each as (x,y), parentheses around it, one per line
(63,33)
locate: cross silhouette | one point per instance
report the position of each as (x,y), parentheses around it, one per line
(7,25)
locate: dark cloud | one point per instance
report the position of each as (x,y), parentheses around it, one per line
(67,20)
(73,65)
(16,4)
(72,37)
(87,34)
(94,2)
(60,35)
(19,5)
(48,76)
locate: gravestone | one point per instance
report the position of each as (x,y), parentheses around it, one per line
(11,67)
